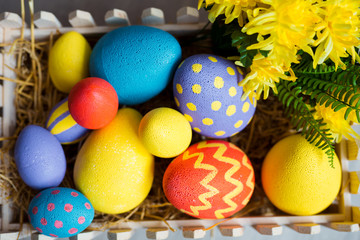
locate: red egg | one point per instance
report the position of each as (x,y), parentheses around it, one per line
(210,180)
(93,103)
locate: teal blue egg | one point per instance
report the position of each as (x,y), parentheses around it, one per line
(138,61)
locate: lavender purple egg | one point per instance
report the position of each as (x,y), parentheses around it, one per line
(39,158)
(60,212)
(206,90)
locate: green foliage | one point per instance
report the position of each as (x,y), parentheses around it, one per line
(229,40)
(336,88)
(241,41)
(221,39)
(302,118)
(324,85)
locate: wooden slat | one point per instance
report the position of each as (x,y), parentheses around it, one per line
(119,234)
(355,214)
(9,122)
(1,92)
(354,182)
(152,16)
(85,235)
(10,20)
(157,233)
(195,232)
(344,198)
(79,18)
(117,17)
(307,228)
(43,19)
(353,152)
(39,236)
(187,15)
(345,226)
(269,229)
(9,235)
(231,230)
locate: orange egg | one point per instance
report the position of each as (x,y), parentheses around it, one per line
(210,180)
(93,103)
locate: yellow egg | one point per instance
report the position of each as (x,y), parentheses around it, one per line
(113,169)
(69,61)
(297,177)
(165,132)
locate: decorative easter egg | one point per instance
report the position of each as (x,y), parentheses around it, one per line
(297,177)
(69,60)
(139,61)
(113,168)
(211,180)
(60,212)
(206,91)
(39,158)
(63,126)
(165,132)
(93,103)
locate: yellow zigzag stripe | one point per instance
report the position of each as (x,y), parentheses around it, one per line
(228,177)
(249,181)
(212,191)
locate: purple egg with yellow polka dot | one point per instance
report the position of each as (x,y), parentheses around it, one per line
(206,90)
(60,212)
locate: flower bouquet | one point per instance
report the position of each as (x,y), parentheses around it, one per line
(305,52)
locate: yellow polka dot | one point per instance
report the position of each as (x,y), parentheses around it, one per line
(231,110)
(196,88)
(232,91)
(191,106)
(219,133)
(212,59)
(177,102)
(230,71)
(215,105)
(180,64)
(208,121)
(249,120)
(219,82)
(179,88)
(197,129)
(238,124)
(188,117)
(246,107)
(240,71)
(255,102)
(196,67)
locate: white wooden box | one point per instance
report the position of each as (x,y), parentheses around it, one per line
(346,219)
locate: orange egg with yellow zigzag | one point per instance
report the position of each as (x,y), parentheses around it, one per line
(210,180)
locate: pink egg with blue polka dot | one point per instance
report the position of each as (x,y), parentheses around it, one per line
(60,212)
(207,91)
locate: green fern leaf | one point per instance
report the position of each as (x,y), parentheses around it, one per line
(314,131)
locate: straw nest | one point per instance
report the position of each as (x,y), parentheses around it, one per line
(35,96)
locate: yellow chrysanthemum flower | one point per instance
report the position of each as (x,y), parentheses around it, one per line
(232,9)
(339,31)
(335,121)
(263,76)
(284,28)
